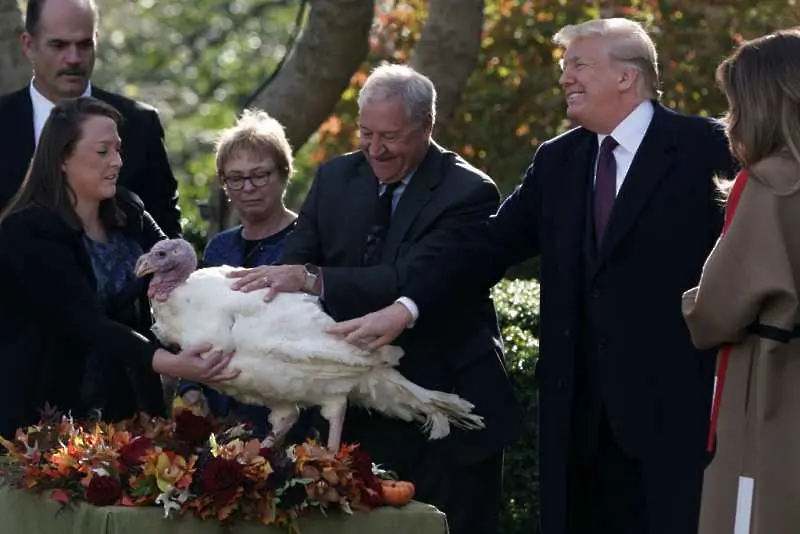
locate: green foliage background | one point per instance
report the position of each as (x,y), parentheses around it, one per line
(517,303)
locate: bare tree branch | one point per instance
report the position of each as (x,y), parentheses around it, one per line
(448,50)
(328,52)
(14,67)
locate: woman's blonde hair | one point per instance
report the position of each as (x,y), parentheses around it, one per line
(761,81)
(259,134)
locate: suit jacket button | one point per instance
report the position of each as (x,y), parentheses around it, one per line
(566,332)
(602,343)
(595,294)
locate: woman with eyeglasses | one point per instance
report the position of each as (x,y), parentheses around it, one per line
(254,164)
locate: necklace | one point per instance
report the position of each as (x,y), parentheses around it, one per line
(255,246)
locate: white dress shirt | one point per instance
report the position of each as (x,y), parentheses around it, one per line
(42,108)
(629,134)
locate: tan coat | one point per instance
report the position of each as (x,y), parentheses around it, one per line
(753,276)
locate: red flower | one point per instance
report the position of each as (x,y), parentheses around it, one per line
(221,479)
(371,497)
(191,428)
(103,491)
(362,465)
(134,453)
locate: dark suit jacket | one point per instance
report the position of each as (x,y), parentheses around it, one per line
(622,307)
(145,169)
(460,351)
(51,318)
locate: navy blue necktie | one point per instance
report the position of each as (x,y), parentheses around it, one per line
(382,216)
(605,187)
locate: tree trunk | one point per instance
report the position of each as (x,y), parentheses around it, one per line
(14,67)
(334,43)
(448,50)
(331,48)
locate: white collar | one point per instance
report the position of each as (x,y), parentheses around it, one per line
(38,99)
(630,132)
(42,107)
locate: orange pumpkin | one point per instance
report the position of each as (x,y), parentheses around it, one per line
(397,492)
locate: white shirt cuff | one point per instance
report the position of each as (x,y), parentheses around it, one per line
(411,306)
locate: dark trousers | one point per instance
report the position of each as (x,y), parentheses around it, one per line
(609,492)
(470,495)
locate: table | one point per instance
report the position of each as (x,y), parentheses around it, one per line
(26,513)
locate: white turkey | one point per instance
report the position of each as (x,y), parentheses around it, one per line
(286,358)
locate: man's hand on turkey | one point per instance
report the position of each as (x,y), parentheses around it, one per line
(276,278)
(374,330)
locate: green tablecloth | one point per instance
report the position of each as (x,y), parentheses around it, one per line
(25,513)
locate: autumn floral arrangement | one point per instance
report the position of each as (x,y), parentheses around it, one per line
(190,463)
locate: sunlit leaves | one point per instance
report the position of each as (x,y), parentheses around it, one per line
(196,62)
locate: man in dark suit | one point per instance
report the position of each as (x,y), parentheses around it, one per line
(368,218)
(622,212)
(60,39)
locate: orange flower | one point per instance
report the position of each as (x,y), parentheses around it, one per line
(170,470)
(64,461)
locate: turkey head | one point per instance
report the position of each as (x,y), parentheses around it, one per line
(170,261)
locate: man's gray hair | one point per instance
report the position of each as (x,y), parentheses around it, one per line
(629,43)
(393,81)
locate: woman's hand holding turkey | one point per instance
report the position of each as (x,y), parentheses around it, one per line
(198,363)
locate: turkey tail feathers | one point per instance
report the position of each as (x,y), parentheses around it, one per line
(389,392)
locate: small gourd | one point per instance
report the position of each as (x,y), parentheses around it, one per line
(397,492)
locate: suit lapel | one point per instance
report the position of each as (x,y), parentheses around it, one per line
(574,210)
(414,197)
(650,164)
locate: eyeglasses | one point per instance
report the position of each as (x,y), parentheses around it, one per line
(257,178)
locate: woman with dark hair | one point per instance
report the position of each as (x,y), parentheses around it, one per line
(71,306)
(748,298)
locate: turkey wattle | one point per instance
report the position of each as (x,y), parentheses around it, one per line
(286,358)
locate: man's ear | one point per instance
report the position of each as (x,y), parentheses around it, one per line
(28,42)
(427,124)
(628,76)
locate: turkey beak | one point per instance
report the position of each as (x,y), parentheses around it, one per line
(143,267)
